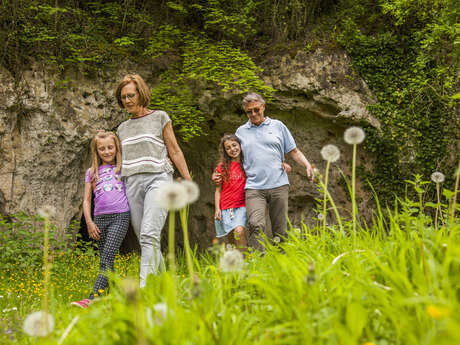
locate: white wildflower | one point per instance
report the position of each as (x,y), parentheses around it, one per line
(320,216)
(330,153)
(193,191)
(149,317)
(276,239)
(172,196)
(232,261)
(35,324)
(47,211)
(9,309)
(438,177)
(161,312)
(354,135)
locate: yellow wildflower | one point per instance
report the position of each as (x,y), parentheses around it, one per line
(437,312)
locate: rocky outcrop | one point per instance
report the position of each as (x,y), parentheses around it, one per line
(47,121)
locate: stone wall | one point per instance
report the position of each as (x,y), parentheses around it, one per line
(47,121)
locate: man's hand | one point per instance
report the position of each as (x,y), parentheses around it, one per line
(94,231)
(298,156)
(218,215)
(286,167)
(216,178)
(309,171)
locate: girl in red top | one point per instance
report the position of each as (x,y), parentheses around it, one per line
(230,210)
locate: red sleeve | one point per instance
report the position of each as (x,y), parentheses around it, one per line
(219,168)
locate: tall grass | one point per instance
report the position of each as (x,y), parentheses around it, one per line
(400,287)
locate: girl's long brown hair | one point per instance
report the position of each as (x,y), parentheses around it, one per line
(225,159)
(96,161)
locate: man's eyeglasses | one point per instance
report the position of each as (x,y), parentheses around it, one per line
(129,96)
(253,110)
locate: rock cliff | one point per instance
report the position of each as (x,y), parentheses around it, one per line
(47,121)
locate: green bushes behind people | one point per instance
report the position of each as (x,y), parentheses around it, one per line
(407,52)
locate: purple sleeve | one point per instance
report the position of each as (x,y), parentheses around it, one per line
(88,176)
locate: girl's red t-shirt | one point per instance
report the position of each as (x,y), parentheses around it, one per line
(232,193)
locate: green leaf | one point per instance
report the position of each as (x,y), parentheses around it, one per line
(356,318)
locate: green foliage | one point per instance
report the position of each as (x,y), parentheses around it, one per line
(222,65)
(202,64)
(231,20)
(399,285)
(406,52)
(21,241)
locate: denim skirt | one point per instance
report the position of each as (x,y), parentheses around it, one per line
(231,218)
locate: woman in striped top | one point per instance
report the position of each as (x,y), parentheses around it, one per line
(147,139)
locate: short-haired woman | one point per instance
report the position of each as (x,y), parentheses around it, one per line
(147,138)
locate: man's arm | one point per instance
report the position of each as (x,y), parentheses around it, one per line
(299,157)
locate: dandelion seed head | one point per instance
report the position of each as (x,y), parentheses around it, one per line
(172,196)
(35,324)
(47,211)
(161,312)
(232,261)
(193,191)
(316,172)
(438,177)
(330,153)
(354,135)
(129,287)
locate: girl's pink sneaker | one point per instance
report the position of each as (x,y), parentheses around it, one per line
(84,303)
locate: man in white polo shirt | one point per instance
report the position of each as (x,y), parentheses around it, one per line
(264,143)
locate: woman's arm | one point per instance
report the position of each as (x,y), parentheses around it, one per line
(175,152)
(217,211)
(93,230)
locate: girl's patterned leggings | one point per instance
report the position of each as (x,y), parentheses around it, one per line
(113,229)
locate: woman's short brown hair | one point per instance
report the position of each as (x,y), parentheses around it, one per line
(141,87)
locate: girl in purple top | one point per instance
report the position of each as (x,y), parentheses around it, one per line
(111,209)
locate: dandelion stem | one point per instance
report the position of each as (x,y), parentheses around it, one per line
(438,207)
(325,195)
(171,252)
(46,273)
(334,207)
(454,201)
(184,223)
(353,191)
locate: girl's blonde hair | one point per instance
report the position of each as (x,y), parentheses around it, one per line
(96,161)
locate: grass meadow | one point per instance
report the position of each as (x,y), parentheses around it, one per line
(394,280)
(397,282)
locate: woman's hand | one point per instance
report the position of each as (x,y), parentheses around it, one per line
(216,178)
(218,215)
(94,231)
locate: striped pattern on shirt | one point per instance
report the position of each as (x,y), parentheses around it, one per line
(143,146)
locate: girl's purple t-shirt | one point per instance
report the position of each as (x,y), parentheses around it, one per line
(110,191)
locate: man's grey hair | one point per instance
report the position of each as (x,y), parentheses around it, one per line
(252,97)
